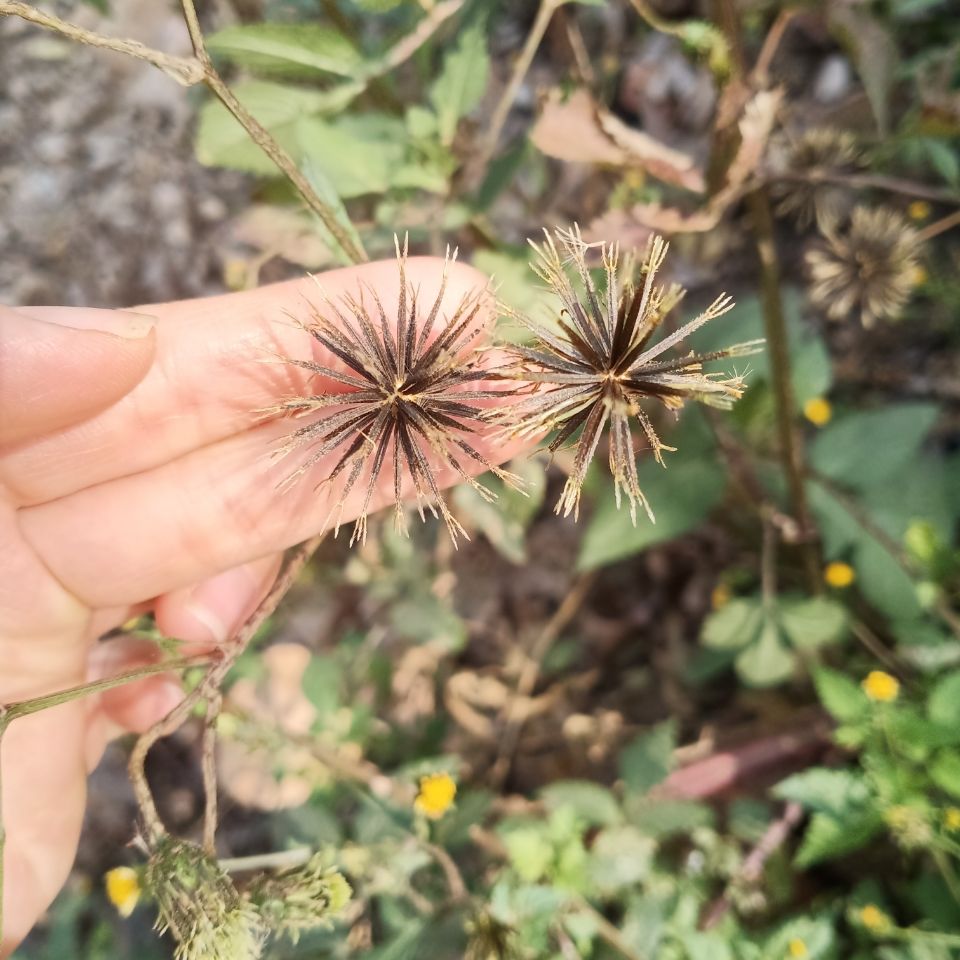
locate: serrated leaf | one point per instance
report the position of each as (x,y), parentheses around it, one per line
(864,449)
(814,623)
(462,80)
(619,857)
(593,804)
(839,793)
(290,48)
(646,760)
(843,698)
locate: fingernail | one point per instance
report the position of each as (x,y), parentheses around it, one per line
(209,619)
(121,323)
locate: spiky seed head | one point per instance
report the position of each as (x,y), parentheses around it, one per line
(816,153)
(198,903)
(600,363)
(410,399)
(867,267)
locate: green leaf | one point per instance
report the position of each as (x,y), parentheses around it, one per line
(705,946)
(462,81)
(358,154)
(945,771)
(646,760)
(593,804)
(733,626)
(289,48)
(839,793)
(843,697)
(667,818)
(768,660)
(222,142)
(884,582)
(864,449)
(326,192)
(530,852)
(943,707)
(811,624)
(619,857)
(827,837)
(681,496)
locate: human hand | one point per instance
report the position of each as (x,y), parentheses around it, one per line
(134,476)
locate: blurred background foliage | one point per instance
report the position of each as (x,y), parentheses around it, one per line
(670,741)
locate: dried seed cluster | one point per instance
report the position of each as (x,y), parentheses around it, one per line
(416,394)
(601,362)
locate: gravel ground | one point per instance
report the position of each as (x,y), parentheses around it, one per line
(101,201)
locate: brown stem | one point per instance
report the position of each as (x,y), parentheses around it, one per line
(775,328)
(545,12)
(262,138)
(752,869)
(209,686)
(185,70)
(867,181)
(209,768)
(530,673)
(940,226)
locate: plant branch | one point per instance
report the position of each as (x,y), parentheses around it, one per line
(209,767)
(498,118)
(866,181)
(209,686)
(200,69)
(187,71)
(940,226)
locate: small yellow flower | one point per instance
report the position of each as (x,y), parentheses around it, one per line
(818,411)
(880,686)
(720,596)
(919,210)
(919,276)
(123,889)
(838,575)
(436,796)
(951,818)
(797,949)
(873,918)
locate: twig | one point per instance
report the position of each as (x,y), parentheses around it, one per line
(187,71)
(24,708)
(530,673)
(277,860)
(608,932)
(939,226)
(545,12)
(865,181)
(209,770)
(405,48)
(771,44)
(775,328)
(200,69)
(209,686)
(752,869)
(451,872)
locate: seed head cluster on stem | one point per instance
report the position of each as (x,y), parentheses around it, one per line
(420,392)
(600,362)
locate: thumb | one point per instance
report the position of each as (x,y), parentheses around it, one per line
(61,365)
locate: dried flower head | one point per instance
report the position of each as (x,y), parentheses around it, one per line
(408,398)
(809,167)
(869,266)
(300,899)
(601,362)
(200,906)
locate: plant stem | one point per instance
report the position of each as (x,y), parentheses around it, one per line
(209,768)
(24,708)
(545,13)
(262,138)
(867,181)
(940,226)
(209,686)
(200,69)
(187,71)
(280,860)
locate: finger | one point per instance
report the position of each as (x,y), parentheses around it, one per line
(59,366)
(44,790)
(208,381)
(201,514)
(209,613)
